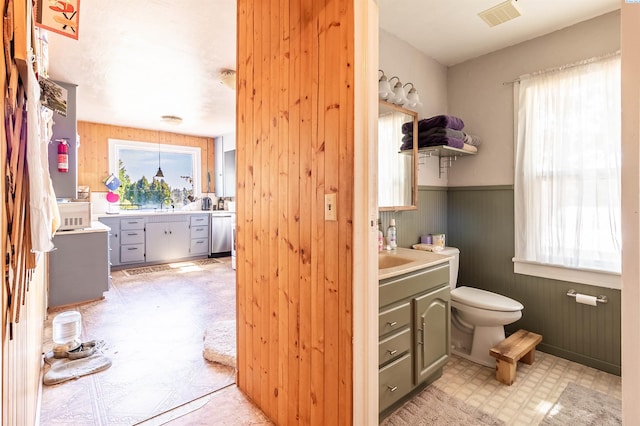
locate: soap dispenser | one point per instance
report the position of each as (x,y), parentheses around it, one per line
(392,235)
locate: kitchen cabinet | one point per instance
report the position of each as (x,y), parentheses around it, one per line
(132,248)
(114,239)
(225,165)
(199,233)
(167,238)
(414,333)
(79,266)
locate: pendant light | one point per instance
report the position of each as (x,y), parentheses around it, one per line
(159,174)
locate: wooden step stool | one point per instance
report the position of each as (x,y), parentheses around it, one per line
(520,346)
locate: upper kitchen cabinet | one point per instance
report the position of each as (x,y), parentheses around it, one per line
(64,170)
(225,165)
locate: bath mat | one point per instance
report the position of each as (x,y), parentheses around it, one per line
(434,407)
(63,369)
(579,405)
(220,343)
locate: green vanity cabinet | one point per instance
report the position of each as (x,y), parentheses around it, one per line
(414,333)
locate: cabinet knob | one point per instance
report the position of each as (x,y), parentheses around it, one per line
(392,351)
(392,324)
(392,388)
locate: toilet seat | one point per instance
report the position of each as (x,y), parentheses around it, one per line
(483,299)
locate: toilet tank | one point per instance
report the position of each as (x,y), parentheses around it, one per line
(454,263)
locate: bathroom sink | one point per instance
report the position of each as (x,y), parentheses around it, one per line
(390,260)
(400,261)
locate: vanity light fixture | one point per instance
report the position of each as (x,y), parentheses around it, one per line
(399,96)
(413,100)
(384,88)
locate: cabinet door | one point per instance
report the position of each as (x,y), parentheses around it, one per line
(218,155)
(167,241)
(432,332)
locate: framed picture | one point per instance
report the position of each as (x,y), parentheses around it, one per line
(59,16)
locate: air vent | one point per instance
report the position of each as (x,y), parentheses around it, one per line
(499,14)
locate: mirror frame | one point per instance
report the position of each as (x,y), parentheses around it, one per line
(414,154)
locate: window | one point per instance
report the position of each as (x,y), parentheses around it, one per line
(567,181)
(136,164)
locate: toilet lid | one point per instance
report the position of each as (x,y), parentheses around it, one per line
(485,299)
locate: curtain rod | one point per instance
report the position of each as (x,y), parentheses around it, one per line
(563,67)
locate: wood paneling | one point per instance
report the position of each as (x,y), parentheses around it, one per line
(93,154)
(480,224)
(294,145)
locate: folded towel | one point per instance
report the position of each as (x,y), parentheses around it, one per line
(427,247)
(470,148)
(472,139)
(449,121)
(436,131)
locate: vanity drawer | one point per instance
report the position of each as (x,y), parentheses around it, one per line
(199,231)
(132,223)
(135,236)
(394,318)
(394,346)
(394,381)
(132,253)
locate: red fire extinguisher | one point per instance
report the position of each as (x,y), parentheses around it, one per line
(63,156)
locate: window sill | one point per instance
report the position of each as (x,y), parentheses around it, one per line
(583,276)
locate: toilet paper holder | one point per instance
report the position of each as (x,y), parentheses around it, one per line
(599,299)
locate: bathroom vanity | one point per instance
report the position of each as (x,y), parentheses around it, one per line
(413,324)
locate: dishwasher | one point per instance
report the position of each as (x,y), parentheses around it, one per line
(220,238)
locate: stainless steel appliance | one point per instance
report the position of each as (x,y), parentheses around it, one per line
(220,239)
(206,203)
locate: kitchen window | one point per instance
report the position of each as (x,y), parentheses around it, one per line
(136,164)
(567,173)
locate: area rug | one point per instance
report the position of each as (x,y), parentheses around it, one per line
(434,407)
(220,343)
(579,405)
(167,266)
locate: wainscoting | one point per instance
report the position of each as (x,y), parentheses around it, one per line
(481,224)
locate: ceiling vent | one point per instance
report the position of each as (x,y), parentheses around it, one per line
(499,14)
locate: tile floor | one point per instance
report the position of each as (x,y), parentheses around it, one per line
(153,326)
(154,322)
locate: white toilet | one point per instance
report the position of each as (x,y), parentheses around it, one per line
(478,316)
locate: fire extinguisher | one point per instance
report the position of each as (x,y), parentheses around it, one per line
(63,156)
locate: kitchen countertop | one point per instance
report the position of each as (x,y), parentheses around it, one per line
(95,227)
(127,213)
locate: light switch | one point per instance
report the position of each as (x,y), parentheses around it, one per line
(330,207)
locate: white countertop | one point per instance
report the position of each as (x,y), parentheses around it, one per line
(415,260)
(95,227)
(128,213)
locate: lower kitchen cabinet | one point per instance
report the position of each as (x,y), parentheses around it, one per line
(414,333)
(114,239)
(168,238)
(78,267)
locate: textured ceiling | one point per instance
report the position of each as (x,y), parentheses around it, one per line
(135,61)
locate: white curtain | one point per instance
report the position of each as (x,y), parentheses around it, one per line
(567,167)
(392,167)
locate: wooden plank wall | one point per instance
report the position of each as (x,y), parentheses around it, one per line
(93,154)
(294,144)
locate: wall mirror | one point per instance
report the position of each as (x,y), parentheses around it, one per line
(397,170)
